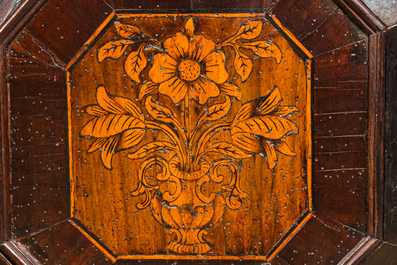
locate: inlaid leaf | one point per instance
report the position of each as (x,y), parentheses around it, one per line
(147,88)
(285,111)
(108,150)
(126,30)
(271,127)
(135,63)
(106,103)
(216,112)
(243,66)
(263,49)
(98,143)
(114,104)
(129,106)
(109,125)
(245,111)
(271,155)
(159,112)
(283,148)
(150,148)
(94,110)
(113,49)
(231,90)
(270,102)
(227,149)
(259,106)
(131,138)
(247,142)
(189,27)
(250,30)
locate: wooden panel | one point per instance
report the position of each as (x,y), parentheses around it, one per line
(64,26)
(319,243)
(277,197)
(64,244)
(391,143)
(38,157)
(341,132)
(308,15)
(346,209)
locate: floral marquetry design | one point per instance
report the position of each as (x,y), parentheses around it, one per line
(191,130)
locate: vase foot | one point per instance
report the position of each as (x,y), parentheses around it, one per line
(189,241)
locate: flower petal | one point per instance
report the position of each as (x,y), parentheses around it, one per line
(215,67)
(200,47)
(202,89)
(164,67)
(175,88)
(177,46)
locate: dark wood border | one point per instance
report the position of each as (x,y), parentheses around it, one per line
(377,114)
(4,152)
(374,27)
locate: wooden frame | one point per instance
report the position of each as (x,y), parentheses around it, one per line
(358,242)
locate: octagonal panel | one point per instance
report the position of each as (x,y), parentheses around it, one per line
(190,136)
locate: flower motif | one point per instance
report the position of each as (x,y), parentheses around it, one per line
(190,66)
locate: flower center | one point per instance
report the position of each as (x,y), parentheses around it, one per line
(189,70)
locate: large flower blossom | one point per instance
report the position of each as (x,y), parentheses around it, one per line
(189,67)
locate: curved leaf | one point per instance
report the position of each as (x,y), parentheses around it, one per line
(126,30)
(113,49)
(283,148)
(250,30)
(231,90)
(259,106)
(106,103)
(285,111)
(159,112)
(263,49)
(115,104)
(270,102)
(94,110)
(147,88)
(245,111)
(247,142)
(98,143)
(216,112)
(128,105)
(109,125)
(135,63)
(227,149)
(108,150)
(271,127)
(131,138)
(150,148)
(243,66)
(271,155)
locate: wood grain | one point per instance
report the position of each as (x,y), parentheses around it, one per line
(348,100)
(64,33)
(310,239)
(37,137)
(390,143)
(84,88)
